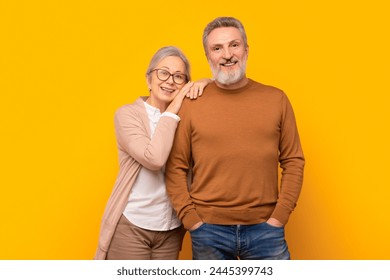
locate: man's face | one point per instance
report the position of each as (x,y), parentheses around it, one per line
(227,55)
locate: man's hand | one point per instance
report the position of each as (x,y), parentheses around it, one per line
(274,222)
(196,226)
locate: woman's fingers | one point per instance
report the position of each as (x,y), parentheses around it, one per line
(185,91)
(197,88)
(175,105)
(195,91)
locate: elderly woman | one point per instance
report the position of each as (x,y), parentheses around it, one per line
(139,221)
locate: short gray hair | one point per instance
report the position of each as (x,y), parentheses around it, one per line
(223,22)
(165,52)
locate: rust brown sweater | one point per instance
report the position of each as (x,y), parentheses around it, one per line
(234,140)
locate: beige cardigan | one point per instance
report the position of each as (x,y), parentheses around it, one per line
(136,149)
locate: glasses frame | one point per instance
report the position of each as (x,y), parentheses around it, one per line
(170,74)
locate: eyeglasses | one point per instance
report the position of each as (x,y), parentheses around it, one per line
(164,75)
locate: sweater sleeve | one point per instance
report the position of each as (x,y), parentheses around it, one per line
(177,170)
(292,163)
(132,137)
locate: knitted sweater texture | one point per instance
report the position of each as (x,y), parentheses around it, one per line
(233,142)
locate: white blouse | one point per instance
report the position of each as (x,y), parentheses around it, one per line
(149,206)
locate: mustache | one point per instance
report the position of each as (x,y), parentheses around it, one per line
(230,60)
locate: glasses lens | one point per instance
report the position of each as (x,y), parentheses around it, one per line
(163,75)
(179,78)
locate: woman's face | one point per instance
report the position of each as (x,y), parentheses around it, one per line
(171,68)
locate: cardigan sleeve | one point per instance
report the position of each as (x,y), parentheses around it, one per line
(133,137)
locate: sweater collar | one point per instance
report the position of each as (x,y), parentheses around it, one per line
(234,91)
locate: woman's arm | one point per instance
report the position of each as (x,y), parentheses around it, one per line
(133,138)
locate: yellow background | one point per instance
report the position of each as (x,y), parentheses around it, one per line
(66,66)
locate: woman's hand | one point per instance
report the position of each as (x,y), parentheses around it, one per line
(175,105)
(198,87)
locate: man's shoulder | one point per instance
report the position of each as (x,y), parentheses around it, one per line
(266,87)
(188,105)
(268,91)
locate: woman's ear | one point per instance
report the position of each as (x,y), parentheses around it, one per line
(148,82)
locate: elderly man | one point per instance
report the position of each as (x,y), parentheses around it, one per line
(232,141)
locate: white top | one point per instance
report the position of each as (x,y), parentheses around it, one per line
(149,206)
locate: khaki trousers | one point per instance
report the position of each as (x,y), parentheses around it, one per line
(133,243)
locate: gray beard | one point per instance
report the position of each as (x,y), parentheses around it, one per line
(230,77)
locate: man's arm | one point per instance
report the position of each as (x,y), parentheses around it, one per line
(292,162)
(177,169)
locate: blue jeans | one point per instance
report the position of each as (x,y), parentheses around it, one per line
(246,242)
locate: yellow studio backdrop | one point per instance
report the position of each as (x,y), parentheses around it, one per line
(66,66)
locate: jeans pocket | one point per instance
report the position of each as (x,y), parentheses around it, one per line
(272,226)
(198,229)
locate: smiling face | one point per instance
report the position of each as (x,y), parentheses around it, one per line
(227,56)
(163,92)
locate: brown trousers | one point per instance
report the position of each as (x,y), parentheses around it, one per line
(133,243)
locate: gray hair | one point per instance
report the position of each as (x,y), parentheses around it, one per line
(165,52)
(223,22)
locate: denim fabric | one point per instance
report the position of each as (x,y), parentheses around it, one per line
(247,242)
